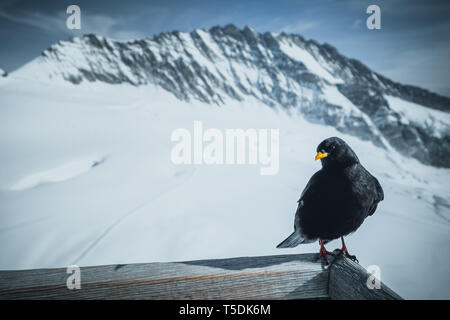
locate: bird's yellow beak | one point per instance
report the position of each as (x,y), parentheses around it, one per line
(321,155)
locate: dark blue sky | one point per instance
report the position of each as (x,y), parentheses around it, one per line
(412,46)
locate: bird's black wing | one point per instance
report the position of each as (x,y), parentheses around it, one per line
(310,192)
(380,192)
(379,196)
(311,186)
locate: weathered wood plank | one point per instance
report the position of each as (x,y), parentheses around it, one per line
(268,277)
(348,281)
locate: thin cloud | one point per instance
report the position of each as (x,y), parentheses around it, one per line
(300,26)
(90,23)
(44,22)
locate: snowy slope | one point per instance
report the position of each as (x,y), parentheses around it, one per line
(86,178)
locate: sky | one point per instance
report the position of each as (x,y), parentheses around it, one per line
(412,46)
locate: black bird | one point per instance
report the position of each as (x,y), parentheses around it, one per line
(336,199)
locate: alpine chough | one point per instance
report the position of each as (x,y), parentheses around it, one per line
(336,199)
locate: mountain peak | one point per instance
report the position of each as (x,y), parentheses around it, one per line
(282,71)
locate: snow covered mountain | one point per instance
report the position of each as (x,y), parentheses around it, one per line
(278,70)
(86,176)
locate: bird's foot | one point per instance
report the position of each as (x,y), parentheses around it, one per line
(352,257)
(345,251)
(348,255)
(323,252)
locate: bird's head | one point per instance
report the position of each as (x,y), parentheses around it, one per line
(335,153)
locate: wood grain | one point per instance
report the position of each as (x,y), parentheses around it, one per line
(267,277)
(348,281)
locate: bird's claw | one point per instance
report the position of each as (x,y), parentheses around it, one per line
(348,255)
(324,257)
(351,257)
(324,253)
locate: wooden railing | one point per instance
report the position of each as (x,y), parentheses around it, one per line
(300,276)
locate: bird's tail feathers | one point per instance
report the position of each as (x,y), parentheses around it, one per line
(292,241)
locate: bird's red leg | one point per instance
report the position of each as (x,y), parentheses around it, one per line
(345,251)
(323,252)
(344,247)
